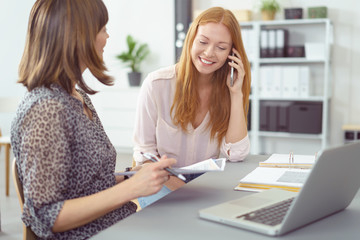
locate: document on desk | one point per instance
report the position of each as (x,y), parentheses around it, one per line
(209,165)
(289,160)
(263,178)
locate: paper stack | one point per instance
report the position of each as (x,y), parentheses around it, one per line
(209,165)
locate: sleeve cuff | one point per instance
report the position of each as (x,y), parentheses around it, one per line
(238,151)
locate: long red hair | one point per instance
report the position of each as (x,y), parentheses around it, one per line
(186,99)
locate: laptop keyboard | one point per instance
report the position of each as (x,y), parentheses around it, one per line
(272,215)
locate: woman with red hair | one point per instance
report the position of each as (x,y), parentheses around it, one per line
(193,110)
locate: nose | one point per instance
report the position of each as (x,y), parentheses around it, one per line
(209,51)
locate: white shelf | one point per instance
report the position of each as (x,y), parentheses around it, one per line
(290,135)
(297,99)
(290,60)
(305,30)
(286,22)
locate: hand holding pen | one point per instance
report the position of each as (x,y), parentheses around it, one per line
(150,178)
(154,158)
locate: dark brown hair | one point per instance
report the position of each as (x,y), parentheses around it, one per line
(60,33)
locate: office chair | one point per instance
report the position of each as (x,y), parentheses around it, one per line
(5,142)
(28,234)
(8,106)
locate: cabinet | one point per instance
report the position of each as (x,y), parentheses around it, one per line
(316,36)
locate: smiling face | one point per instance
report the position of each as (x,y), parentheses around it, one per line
(211,47)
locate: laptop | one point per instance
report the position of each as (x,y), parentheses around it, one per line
(334,180)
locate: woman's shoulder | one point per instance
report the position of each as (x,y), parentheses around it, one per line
(54,93)
(162,74)
(159,80)
(53,98)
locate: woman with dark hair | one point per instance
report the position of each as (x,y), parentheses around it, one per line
(197,109)
(64,158)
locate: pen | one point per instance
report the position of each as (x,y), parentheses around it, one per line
(129,173)
(232,73)
(154,158)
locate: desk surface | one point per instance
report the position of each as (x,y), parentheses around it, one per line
(176,215)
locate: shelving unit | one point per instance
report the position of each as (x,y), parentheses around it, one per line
(300,32)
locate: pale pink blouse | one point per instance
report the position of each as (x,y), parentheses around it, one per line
(155,132)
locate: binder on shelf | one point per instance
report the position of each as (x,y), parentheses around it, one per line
(248,40)
(264,117)
(281,42)
(268,116)
(264,45)
(284,81)
(277,81)
(251,44)
(290,78)
(272,116)
(304,82)
(245,39)
(283,116)
(271,43)
(266,76)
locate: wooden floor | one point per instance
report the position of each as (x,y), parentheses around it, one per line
(10,223)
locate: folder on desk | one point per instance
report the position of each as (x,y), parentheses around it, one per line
(289,161)
(263,178)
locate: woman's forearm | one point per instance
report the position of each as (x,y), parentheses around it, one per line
(237,129)
(80,211)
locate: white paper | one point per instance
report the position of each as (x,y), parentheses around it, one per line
(209,165)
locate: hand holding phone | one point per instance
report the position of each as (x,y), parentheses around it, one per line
(232,73)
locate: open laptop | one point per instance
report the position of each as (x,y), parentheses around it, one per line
(330,187)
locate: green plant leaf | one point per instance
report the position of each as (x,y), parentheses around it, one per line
(269,5)
(135,55)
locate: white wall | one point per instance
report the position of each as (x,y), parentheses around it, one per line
(148,21)
(152,22)
(13,25)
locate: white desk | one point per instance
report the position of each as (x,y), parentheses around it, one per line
(176,215)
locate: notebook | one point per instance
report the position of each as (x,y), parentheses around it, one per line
(334,180)
(262,178)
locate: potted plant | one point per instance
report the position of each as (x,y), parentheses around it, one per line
(268,9)
(135,54)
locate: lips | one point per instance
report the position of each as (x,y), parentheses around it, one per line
(205,61)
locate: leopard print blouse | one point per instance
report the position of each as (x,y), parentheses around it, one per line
(61,154)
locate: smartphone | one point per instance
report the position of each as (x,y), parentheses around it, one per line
(232,73)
